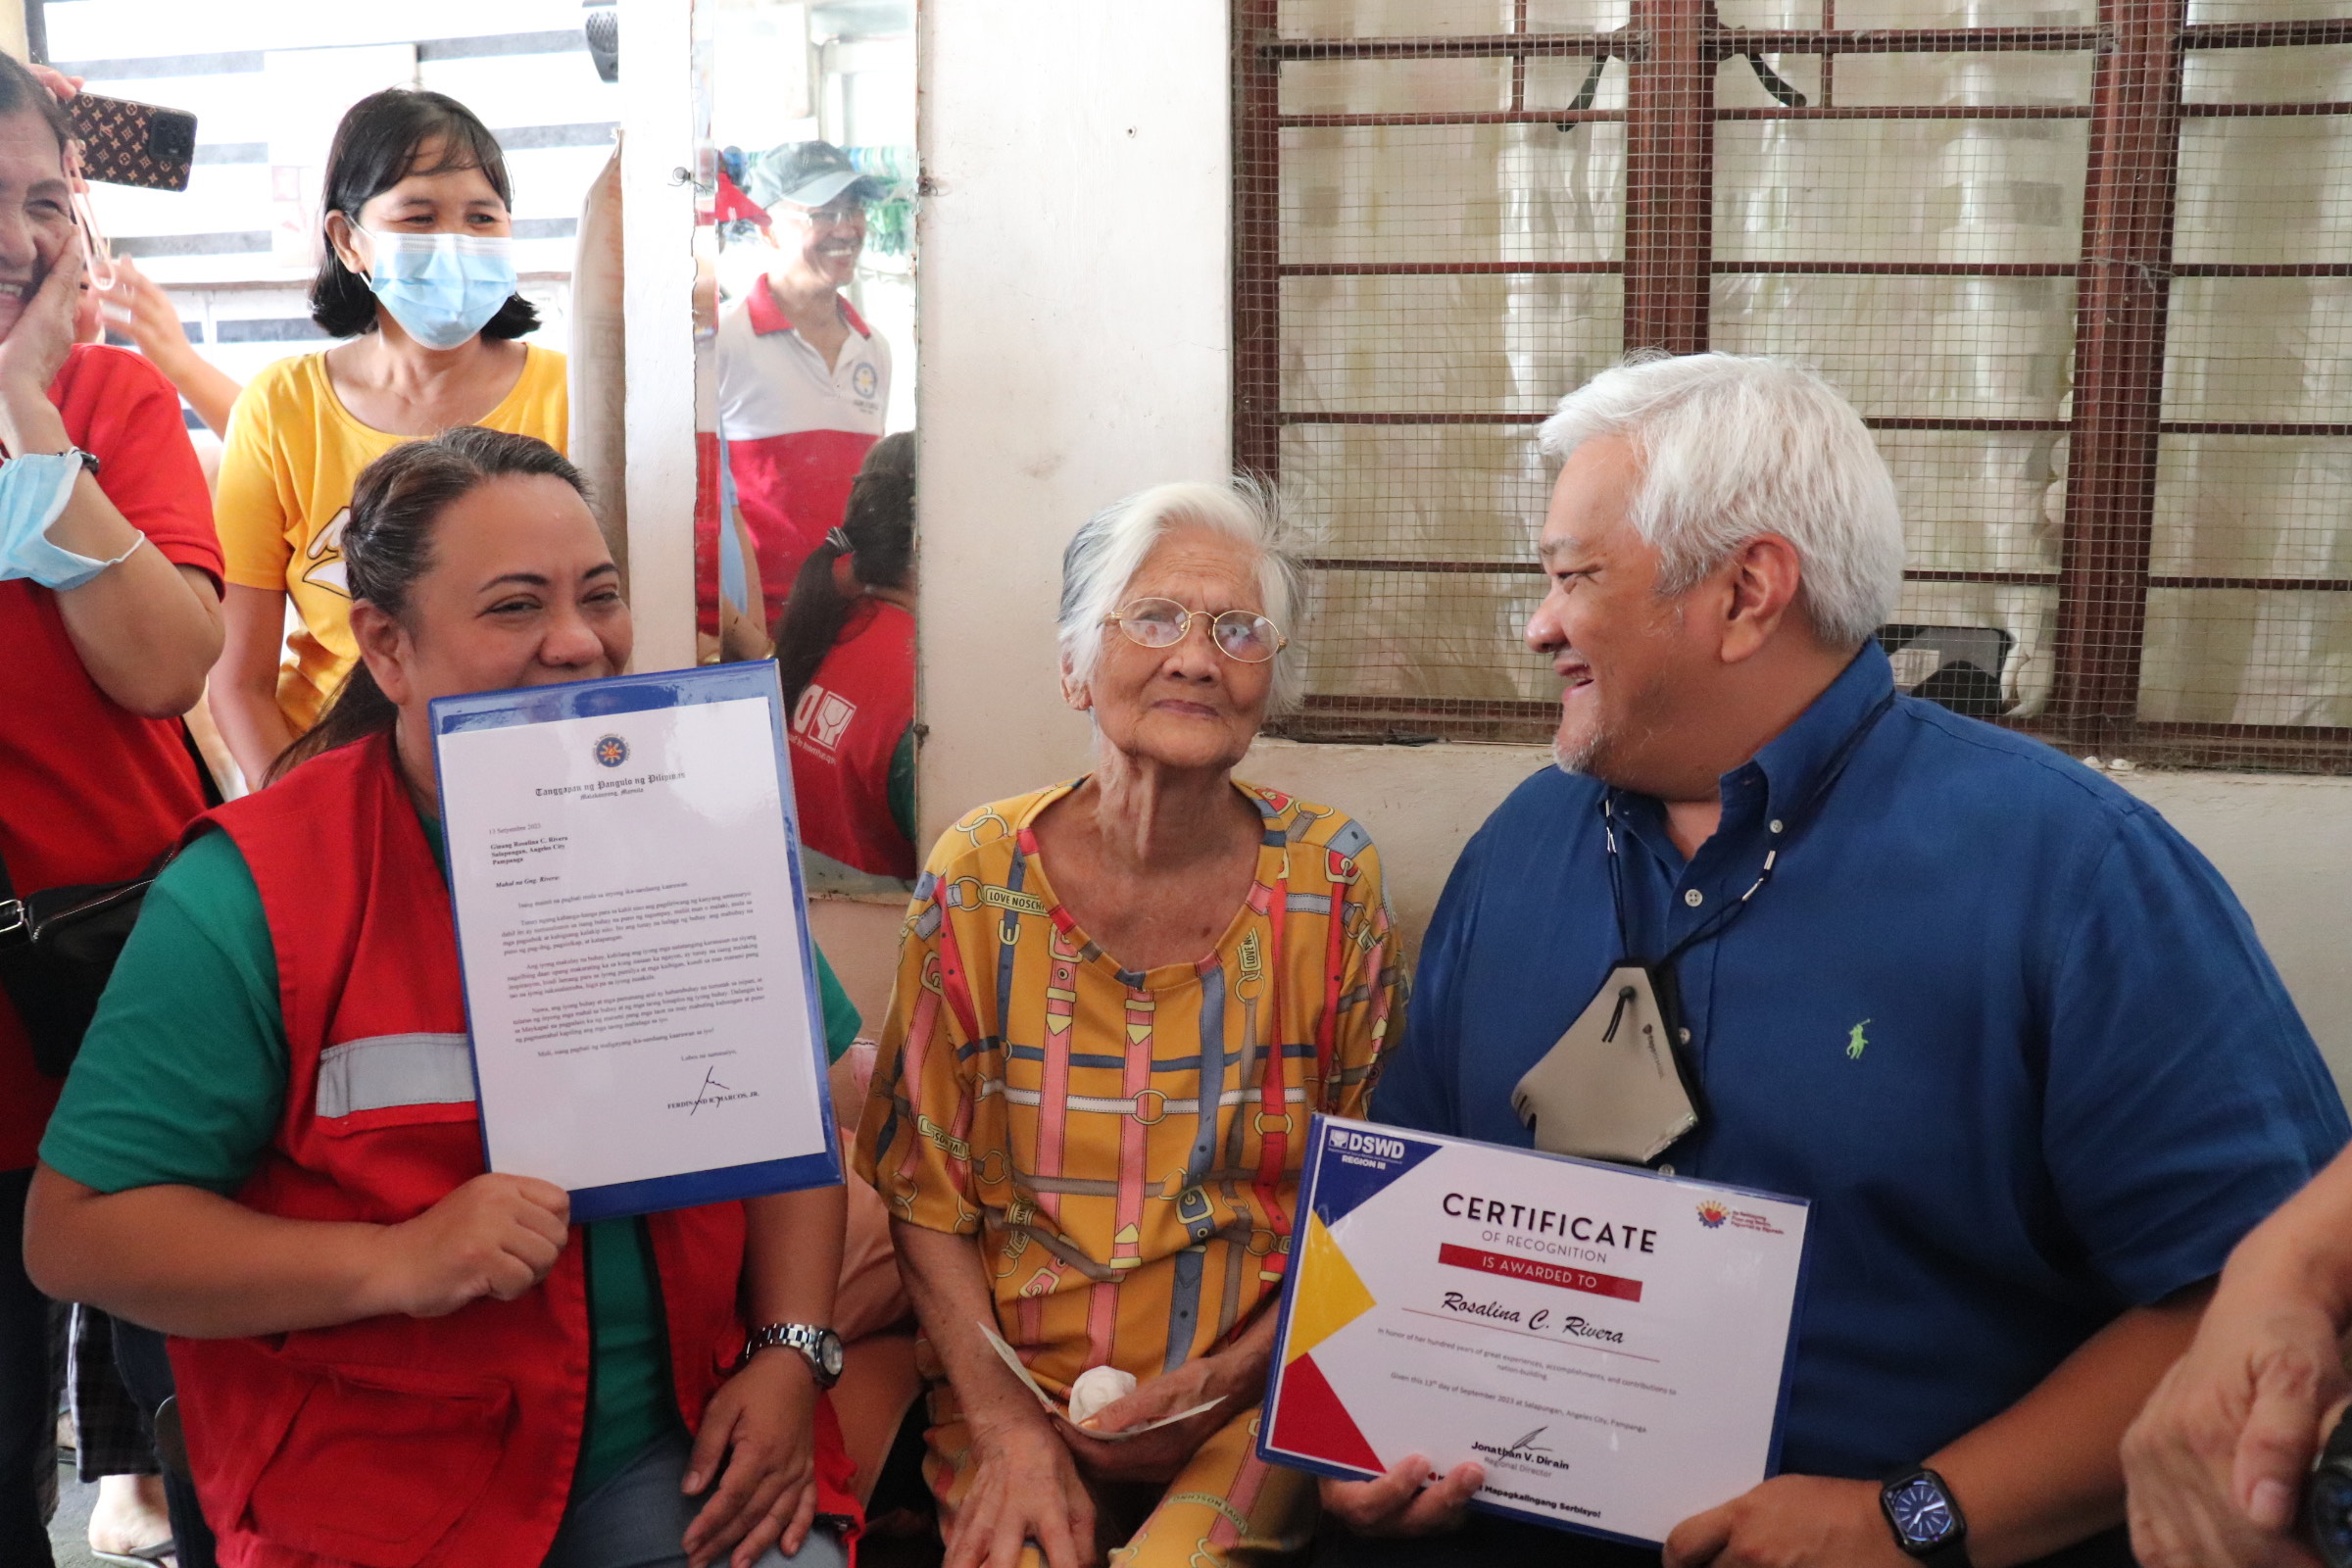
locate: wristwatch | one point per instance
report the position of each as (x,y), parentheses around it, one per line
(819,1348)
(1926,1517)
(2327,1498)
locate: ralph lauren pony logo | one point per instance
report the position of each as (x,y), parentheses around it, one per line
(612,750)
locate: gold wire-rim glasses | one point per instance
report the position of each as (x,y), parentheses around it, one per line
(1128,616)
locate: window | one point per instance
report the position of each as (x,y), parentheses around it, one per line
(2082,265)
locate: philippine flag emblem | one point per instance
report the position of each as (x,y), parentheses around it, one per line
(1712,1214)
(612,750)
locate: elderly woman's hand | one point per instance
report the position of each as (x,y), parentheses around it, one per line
(1235,1377)
(1156,1457)
(1023,1488)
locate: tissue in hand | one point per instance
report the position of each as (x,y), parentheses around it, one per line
(1097,1386)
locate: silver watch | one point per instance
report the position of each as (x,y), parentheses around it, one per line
(819,1348)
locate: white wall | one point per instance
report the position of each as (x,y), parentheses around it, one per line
(656,221)
(1073,320)
(1075,330)
(2285,844)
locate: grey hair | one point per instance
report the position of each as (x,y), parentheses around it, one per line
(1111,546)
(1733,447)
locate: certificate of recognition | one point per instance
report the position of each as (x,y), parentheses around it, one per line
(1610,1344)
(639,985)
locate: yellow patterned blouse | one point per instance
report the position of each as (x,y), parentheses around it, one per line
(1115,1140)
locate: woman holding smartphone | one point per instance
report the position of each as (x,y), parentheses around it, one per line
(419,280)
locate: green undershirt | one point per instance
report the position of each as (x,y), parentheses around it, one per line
(902,784)
(183,1078)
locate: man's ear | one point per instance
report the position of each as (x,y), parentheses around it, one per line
(385,648)
(1764,575)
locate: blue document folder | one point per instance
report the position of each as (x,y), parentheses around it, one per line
(605,772)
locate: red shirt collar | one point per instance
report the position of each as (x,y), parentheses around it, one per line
(768,316)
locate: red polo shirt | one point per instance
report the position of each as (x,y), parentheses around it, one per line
(846,730)
(795,427)
(89,792)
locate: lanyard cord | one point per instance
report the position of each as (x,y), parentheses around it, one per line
(1714,924)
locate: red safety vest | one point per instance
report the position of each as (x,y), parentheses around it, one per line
(845,730)
(400,1442)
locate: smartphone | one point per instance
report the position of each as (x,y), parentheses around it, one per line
(129,143)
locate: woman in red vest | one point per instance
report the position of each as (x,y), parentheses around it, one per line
(844,651)
(269,1149)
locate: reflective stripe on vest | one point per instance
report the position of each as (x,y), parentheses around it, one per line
(386,1070)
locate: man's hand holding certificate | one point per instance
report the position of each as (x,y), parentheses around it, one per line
(1607,1343)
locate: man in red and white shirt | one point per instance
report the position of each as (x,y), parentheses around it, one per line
(803,381)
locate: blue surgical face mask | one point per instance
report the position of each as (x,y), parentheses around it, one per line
(441,288)
(34,492)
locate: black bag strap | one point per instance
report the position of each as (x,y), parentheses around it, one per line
(204,770)
(15,928)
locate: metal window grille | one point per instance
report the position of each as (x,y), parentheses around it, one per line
(2081,264)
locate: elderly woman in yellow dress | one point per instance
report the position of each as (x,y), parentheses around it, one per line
(1119,1000)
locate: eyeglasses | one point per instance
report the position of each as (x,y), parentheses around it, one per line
(1240,635)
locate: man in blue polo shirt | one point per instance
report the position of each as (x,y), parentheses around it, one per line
(2007,1030)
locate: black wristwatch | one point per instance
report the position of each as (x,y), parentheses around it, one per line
(2327,1498)
(819,1348)
(1926,1517)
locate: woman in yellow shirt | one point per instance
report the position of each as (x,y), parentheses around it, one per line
(417,281)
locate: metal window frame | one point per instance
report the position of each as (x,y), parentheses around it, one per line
(1672,49)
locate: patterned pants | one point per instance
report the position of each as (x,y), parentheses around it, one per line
(110,1434)
(1227,1508)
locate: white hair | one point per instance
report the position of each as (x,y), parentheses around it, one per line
(1111,546)
(1732,446)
